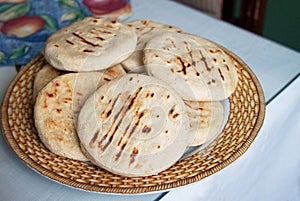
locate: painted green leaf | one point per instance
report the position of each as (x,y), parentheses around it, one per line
(81,16)
(14,11)
(6,6)
(2,57)
(67,3)
(72,16)
(19,52)
(50,23)
(69,16)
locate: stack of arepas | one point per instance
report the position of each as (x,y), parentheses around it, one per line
(130,97)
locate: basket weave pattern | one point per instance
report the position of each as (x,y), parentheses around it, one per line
(246,115)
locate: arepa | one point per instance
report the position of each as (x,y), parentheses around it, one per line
(145,30)
(91,44)
(43,77)
(206,119)
(135,125)
(57,106)
(198,72)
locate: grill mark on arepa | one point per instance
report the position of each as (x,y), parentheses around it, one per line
(122,108)
(108,113)
(187,48)
(97,31)
(172,42)
(50,95)
(67,100)
(192,59)
(220,72)
(102,140)
(215,51)
(145,22)
(110,138)
(203,59)
(125,143)
(149,94)
(109,26)
(93,140)
(227,67)
(133,154)
(127,128)
(132,130)
(107,32)
(91,144)
(129,136)
(135,97)
(97,133)
(123,134)
(183,70)
(120,152)
(123,112)
(127,109)
(136,124)
(82,39)
(100,38)
(86,50)
(187,104)
(114,102)
(146,129)
(71,43)
(172,113)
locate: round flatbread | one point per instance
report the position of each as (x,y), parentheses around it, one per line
(198,72)
(145,30)
(135,125)
(48,73)
(91,44)
(42,78)
(57,107)
(112,73)
(206,120)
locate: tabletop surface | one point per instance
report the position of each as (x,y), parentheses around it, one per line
(276,67)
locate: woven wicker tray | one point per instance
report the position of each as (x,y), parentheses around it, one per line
(246,115)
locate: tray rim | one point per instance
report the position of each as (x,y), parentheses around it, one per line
(133,190)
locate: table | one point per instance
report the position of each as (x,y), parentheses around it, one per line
(276,67)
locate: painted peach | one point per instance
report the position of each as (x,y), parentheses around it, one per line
(22,26)
(100,7)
